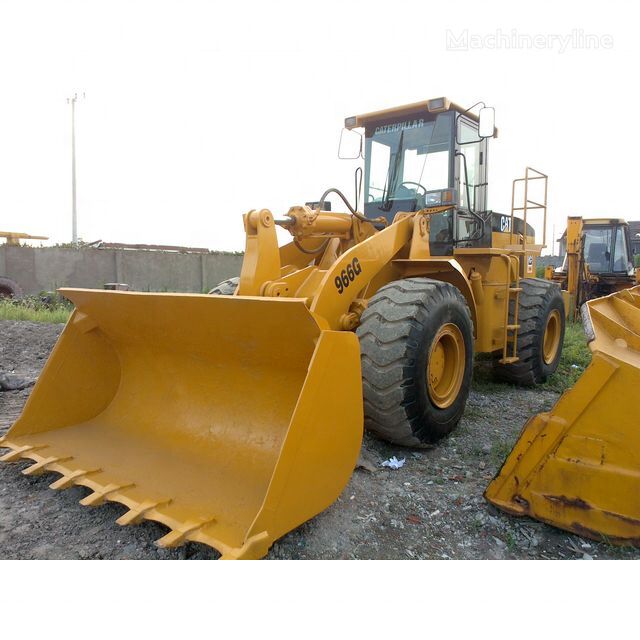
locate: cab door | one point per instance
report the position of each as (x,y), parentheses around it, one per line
(471,150)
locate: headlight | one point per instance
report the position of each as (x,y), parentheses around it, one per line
(437,104)
(350,123)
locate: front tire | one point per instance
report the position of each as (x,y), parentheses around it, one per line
(416,343)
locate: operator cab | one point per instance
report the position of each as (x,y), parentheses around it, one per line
(428,154)
(606,248)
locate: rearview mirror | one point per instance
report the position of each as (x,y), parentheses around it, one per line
(350,147)
(487,124)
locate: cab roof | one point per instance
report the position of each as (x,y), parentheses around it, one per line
(434,105)
(603,221)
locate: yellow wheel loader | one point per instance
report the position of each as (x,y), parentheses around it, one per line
(577,466)
(233,418)
(597,262)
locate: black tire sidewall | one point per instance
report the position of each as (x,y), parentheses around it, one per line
(542,369)
(441,421)
(537,300)
(7,284)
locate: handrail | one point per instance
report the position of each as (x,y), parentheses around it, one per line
(529,204)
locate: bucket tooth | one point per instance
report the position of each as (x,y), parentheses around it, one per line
(40,467)
(179,536)
(70,479)
(98,497)
(257,546)
(12,456)
(15,454)
(136,514)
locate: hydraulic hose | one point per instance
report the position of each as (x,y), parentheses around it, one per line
(355,213)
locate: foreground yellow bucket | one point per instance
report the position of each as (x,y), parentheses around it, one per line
(231,420)
(578,466)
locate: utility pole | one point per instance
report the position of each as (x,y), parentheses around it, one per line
(74,211)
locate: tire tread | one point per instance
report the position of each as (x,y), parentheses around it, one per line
(390,332)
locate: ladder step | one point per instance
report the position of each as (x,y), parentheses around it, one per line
(515,289)
(512,327)
(509,360)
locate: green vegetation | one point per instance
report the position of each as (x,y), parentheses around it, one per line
(472,413)
(576,357)
(48,308)
(511,540)
(500,449)
(483,380)
(621,551)
(477,525)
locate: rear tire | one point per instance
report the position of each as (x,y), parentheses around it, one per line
(226,287)
(416,343)
(10,288)
(541,316)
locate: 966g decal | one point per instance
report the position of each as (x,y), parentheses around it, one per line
(348,275)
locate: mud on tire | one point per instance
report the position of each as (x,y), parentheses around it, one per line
(402,325)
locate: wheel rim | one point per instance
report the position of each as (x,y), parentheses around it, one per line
(445,366)
(551,340)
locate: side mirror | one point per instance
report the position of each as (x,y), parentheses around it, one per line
(350,147)
(487,124)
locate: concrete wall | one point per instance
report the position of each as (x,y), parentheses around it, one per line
(46,268)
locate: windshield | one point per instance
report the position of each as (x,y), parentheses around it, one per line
(605,250)
(404,160)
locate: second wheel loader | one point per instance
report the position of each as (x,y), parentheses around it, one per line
(234,418)
(597,262)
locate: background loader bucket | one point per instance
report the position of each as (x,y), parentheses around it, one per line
(231,420)
(578,466)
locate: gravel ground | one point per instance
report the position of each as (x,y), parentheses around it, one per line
(430,508)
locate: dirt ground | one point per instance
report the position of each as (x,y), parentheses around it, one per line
(431,508)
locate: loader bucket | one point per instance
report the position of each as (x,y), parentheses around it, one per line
(231,420)
(577,467)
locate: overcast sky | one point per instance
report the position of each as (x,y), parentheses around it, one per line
(196,112)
